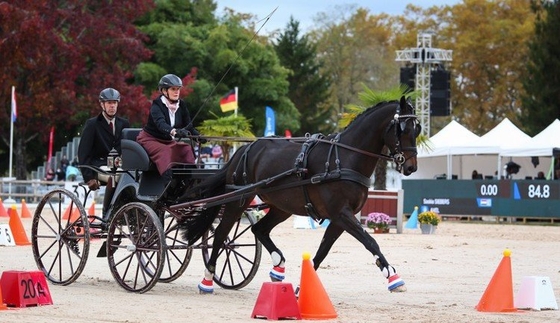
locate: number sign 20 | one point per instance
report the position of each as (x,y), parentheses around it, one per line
(25,288)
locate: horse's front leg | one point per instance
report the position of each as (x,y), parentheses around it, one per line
(332,233)
(262,230)
(349,223)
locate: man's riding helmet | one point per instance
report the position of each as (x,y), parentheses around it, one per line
(170,80)
(109,94)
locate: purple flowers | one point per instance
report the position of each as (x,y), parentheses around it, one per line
(378,220)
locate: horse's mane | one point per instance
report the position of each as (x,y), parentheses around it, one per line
(368,111)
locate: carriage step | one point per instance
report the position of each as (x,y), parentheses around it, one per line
(98,225)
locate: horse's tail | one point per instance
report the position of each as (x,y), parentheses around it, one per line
(194,227)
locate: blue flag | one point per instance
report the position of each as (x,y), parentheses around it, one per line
(270,128)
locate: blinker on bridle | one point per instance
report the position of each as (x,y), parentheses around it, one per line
(399,124)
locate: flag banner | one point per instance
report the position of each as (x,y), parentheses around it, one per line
(270,128)
(14,104)
(229,102)
(51,143)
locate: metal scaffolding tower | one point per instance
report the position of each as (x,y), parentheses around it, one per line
(425,58)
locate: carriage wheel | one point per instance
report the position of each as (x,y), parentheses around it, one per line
(240,256)
(136,247)
(177,254)
(60,236)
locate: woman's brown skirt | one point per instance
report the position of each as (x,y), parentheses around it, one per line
(164,153)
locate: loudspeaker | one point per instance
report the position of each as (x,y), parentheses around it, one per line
(440,93)
(408,75)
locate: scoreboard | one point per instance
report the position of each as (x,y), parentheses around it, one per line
(521,198)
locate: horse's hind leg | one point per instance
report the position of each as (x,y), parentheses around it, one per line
(262,230)
(349,223)
(232,213)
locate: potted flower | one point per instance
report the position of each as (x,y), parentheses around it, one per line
(379,222)
(428,221)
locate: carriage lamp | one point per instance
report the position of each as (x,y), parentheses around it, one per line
(114,161)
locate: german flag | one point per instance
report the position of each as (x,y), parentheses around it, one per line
(229,101)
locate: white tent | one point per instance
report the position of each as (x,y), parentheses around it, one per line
(540,145)
(448,141)
(503,136)
(454,150)
(457,151)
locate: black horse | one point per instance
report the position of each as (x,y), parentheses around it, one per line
(325,178)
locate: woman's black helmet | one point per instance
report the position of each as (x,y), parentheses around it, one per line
(170,80)
(109,94)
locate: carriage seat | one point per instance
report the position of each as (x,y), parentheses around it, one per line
(134,156)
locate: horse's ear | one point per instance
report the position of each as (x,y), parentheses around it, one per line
(402,105)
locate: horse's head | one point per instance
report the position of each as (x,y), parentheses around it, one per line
(400,137)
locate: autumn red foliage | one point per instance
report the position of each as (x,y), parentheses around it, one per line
(59,55)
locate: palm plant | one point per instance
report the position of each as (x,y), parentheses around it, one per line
(229,126)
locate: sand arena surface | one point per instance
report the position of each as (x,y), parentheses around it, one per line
(446,274)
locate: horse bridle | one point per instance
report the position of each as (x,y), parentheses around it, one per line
(398,123)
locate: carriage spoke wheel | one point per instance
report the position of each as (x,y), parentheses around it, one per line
(60,236)
(239,257)
(177,254)
(136,247)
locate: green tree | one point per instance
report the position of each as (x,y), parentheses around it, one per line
(225,53)
(309,89)
(541,101)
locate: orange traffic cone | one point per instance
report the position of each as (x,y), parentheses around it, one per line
(498,296)
(91,210)
(3,210)
(66,214)
(24,210)
(20,237)
(75,213)
(313,301)
(2,305)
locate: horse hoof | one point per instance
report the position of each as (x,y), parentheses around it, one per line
(399,289)
(204,292)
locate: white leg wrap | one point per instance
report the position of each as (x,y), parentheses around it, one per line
(277,273)
(276,259)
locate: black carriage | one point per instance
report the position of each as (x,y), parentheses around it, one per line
(139,228)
